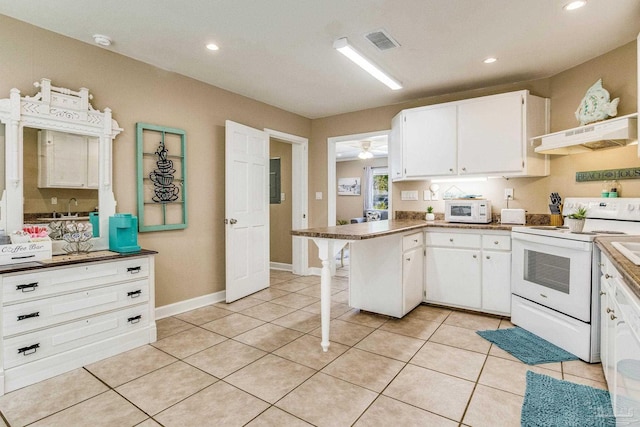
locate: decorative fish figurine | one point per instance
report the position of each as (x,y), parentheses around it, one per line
(596,106)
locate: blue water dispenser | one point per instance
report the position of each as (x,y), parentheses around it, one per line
(123,233)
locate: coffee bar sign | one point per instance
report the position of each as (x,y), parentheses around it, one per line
(25,252)
(608,175)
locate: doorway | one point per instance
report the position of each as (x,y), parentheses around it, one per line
(299,202)
(363,159)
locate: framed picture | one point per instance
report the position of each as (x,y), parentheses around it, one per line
(348,186)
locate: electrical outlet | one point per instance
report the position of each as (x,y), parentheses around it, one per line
(54,200)
(409,195)
(318,195)
(508,193)
(282,197)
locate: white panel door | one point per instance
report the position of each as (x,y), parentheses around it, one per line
(246,210)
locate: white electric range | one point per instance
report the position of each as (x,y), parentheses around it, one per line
(555,274)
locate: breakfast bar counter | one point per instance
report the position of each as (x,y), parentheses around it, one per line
(383,239)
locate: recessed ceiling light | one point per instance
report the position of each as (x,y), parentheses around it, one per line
(102,40)
(574,5)
(212,46)
(490,60)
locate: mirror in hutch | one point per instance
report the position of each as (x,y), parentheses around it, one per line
(55,110)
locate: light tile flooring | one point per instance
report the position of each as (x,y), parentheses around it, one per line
(258,362)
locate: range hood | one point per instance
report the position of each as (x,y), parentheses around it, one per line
(616,132)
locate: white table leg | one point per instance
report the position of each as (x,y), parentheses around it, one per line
(327,249)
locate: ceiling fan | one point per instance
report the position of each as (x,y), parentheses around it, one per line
(365,152)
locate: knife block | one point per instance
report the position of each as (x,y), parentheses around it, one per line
(556,220)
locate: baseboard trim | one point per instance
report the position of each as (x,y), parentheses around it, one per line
(315,271)
(280,266)
(190,304)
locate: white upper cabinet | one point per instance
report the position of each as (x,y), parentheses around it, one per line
(430,141)
(67,160)
(396,168)
(486,136)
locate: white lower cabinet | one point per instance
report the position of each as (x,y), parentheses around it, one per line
(469,269)
(386,273)
(56,319)
(620,343)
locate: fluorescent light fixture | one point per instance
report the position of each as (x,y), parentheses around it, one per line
(490,60)
(575,5)
(342,45)
(212,46)
(464,179)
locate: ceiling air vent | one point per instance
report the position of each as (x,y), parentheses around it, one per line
(382,40)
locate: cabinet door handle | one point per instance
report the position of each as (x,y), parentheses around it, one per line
(603,293)
(28,316)
(134,319)
(30,287)
(475,256)
(613,317)
(488,257)
(134,294)
(134,270)
(451,170)
(610,311)
(29,349)
(606,276)
(464,169)
(415,240)
(451,239)
(496,242)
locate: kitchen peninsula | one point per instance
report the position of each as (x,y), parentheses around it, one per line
(386,263)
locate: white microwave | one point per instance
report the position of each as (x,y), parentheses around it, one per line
(467,210)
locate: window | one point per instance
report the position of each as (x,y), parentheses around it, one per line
(377,184)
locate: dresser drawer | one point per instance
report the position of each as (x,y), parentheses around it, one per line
(41,313)
(36,345)
(454,240)
(497,242)
(413,240)
(44,283)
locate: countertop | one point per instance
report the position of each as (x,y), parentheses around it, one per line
(629,271)
(66,260)
(373,229)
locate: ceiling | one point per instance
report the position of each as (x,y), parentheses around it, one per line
(280,51)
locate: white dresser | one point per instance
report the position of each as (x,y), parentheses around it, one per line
(64,315)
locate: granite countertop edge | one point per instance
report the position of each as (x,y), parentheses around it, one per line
(629,271)
(370,230)
(38,265)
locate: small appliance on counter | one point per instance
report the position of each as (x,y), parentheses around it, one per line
(513,216)
(472,211)
(123,233)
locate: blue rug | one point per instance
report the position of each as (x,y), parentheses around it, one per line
(551,402)
(528,347)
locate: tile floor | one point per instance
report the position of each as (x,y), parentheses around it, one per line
(258,362)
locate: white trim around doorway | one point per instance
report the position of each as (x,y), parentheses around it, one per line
(299,196)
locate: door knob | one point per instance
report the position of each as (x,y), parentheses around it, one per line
(230,221)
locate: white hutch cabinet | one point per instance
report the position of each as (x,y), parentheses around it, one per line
(62,313)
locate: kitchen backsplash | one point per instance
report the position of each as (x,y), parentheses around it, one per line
(532,219)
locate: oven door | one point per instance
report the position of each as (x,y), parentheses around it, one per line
(553,272)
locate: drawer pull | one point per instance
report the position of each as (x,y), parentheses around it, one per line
(24,256)
(496,242)
(27,316)
(134,319)
(29,350)
(451,239)
(134,294)
(30,287)
(134,270)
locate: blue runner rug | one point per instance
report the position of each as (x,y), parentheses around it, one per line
(552,402)
(528,347)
